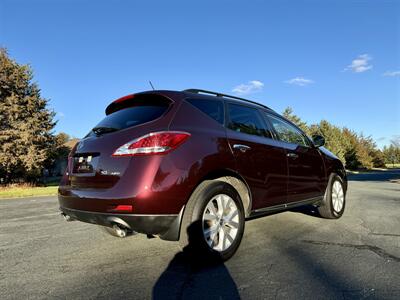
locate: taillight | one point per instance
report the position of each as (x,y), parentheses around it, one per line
(153,143)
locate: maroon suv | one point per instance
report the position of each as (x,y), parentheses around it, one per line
(162,161)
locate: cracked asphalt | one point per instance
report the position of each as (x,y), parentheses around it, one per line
(290,255)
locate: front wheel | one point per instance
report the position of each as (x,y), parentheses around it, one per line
(334,202)
(213,220)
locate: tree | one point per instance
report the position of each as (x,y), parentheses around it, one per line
(364,148)
(395,141)
(378,159)
(391,154)
(350,142)
(288,114)
(59,150)
(375,155)
(354,150)
(26,123)
(333,138)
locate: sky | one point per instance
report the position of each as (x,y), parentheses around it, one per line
(333,60)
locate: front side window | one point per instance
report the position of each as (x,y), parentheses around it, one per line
(247,120)
(287,132)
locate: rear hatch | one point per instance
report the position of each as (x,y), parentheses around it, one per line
(91,164)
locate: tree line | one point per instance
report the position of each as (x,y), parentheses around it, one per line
(355,150)
(28,145)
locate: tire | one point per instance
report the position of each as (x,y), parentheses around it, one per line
(203,230)
(334,202)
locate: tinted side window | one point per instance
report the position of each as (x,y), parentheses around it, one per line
(287,132)
(247,120)
(212,108)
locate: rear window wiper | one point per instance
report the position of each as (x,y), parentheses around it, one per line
(102,130)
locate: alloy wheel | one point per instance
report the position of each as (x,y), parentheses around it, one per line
(220,222)
(337,196)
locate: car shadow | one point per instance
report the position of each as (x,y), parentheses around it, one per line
(309,210)
(195,273)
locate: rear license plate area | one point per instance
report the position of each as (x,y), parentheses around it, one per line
(85,163)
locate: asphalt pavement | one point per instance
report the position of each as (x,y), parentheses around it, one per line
(290,255)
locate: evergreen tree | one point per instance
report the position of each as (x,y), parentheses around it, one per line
(378,159)
(391,154)
(288,114)
(26,123)
(354,150)
(365,148)
(350,142)
(59,153)
(333,138)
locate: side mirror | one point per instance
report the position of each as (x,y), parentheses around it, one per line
(318,140)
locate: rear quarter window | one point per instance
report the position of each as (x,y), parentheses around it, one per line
(212,108)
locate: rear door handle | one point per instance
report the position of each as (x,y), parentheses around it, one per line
(242,148)
(292,155)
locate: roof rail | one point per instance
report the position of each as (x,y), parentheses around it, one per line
(198,91)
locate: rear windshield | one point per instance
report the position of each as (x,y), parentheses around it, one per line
(135,113)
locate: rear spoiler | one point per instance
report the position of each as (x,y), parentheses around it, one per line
(113,106)
(137,99)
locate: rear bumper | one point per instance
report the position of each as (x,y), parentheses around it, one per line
(166,226)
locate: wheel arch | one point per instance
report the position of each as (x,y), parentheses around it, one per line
(234,179)
(338,169)
(225,175)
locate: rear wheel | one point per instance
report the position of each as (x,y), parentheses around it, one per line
(220,222)
(333,204)
(213,221)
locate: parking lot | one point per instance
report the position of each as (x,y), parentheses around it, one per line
(290,255)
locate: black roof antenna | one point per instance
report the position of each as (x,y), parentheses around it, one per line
(151,85)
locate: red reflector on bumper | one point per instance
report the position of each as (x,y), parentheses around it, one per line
(125,208)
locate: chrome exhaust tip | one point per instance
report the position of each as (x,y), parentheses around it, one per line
(120,231)
(66,217)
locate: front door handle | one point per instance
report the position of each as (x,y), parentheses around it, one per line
(292,155)
(242,148)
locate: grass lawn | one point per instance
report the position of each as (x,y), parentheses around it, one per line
(390,166)
(18,192)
